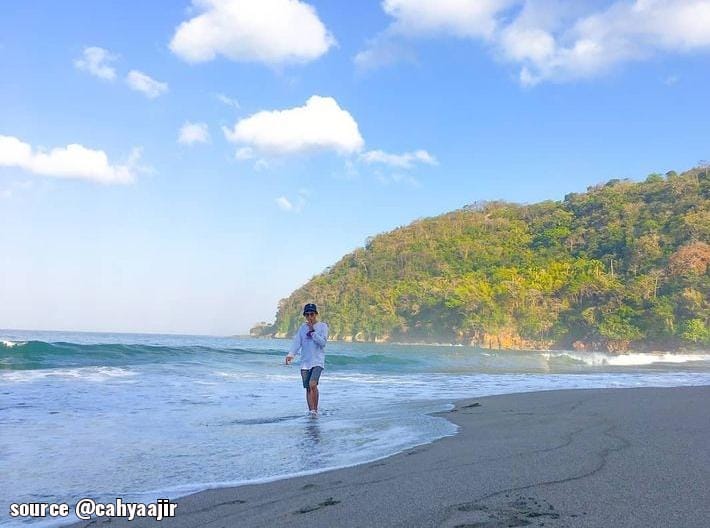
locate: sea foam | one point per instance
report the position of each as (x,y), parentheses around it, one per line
(11,344)
(627,360)
(91,374)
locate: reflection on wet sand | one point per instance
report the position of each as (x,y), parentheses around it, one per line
(310,448)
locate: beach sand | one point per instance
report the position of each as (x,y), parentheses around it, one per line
(608,458)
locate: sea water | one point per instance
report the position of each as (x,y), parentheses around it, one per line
(148,416)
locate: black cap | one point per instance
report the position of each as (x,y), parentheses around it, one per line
(310,307)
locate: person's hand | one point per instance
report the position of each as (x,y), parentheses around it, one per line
(288,360)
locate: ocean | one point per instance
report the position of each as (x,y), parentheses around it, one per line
(143,417)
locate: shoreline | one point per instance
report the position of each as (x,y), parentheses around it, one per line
(577,457)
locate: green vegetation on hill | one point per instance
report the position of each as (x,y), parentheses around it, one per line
(624,264)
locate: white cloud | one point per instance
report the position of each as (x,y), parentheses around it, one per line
(318,125)
(461,18)
(269,31)
(73,161)
(145,84)
(289,206)
(229,101)
(554,40)
(382,51)
(191,133)
(406,160)
(96,61)
(598,40)
(521,44)
(284,203)
(321,124)
(426,18)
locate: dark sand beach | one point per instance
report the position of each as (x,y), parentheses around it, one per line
(590,458)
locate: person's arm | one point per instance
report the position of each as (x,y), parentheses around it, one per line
(295,347)
(320,336)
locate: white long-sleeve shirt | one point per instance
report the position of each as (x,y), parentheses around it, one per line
(312,349)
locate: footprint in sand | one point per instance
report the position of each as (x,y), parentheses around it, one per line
(523,511)
(330,501)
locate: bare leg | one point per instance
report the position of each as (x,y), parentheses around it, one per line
(309,399)
(313,404)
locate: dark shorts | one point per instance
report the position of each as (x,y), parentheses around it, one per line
(311,375)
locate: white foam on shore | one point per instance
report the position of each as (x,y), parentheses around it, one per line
(627,360)
(246,375)
(94,374)
(410,442)
(437,406)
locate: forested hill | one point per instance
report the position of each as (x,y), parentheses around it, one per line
(623,265)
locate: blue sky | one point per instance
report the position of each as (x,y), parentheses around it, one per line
(180,167)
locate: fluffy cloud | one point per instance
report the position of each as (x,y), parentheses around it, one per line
(269,31)
(406,160)
(73,161)
(191,133)
(462,18)
(318,125)
(321,124)
(425,18)
(145,84)
(625,31)
(553,39)
(96,61)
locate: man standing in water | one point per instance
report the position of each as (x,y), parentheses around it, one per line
(310,341)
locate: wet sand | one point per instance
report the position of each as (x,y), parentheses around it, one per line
(589,458)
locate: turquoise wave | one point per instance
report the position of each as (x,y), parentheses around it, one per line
(33,355)
(30,355)
(340,360)
(383,359)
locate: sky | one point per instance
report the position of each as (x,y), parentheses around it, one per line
(180,166)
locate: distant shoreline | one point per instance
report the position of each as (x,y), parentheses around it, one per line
(541,350)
